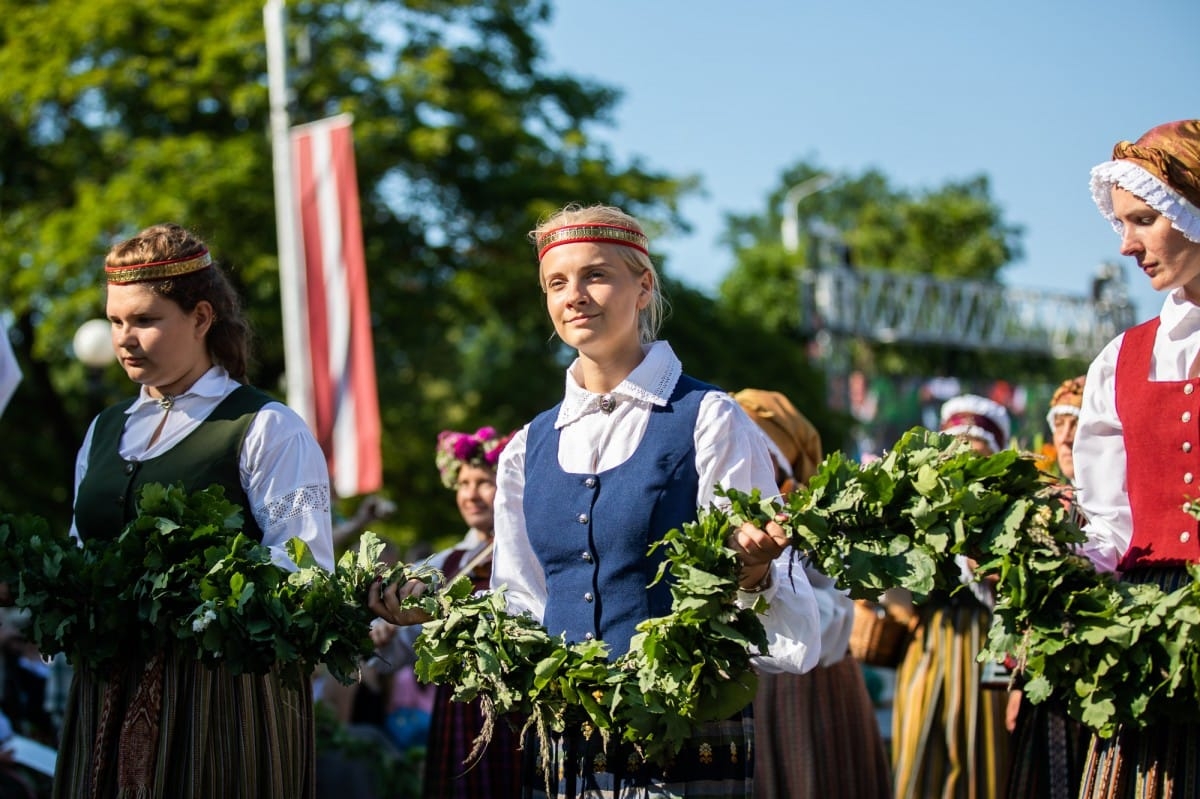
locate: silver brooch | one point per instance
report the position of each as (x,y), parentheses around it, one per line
(607,403)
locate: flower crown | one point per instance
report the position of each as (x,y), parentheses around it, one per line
(456,450)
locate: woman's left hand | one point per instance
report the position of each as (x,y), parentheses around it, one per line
(385,602)
(756,548)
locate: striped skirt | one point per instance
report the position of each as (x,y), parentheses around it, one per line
(1161,761)
(948,734)
(715,763)
(177,729)
(817,737)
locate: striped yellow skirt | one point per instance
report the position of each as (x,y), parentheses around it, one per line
(948,734)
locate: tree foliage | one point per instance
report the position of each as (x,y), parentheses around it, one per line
(954,231)
(117,115)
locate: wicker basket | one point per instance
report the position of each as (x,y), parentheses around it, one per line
(880,633)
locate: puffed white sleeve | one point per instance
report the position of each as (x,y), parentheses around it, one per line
(730,453)
(81,464)
(515,567)
(1099,454)
(286,481)
(836,610)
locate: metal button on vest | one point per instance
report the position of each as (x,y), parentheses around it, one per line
(1184,536)
(1187,477)
(588,636)
(1189,388)
(1187,416)
(582,518)
(588,597)
(586,557)
(590,482)
(1187,446)
(129,467)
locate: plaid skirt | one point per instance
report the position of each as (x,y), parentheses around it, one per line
(449,772)
(717,762)
(177,729)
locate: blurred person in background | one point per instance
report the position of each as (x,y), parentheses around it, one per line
(1049,748)
(949,739)
(816,735)
(467,465)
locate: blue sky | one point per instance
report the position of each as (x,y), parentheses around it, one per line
(1032,94)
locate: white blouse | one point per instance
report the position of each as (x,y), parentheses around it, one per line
(1099,449)
(283,470)
(729,452)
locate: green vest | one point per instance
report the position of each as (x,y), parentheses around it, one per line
(107,497)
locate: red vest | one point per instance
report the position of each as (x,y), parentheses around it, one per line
(1161,423)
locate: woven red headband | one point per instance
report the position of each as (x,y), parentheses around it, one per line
(593,232)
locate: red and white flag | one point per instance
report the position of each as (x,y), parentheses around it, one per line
(335,391)
(10,370)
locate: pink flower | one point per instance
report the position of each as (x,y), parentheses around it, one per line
(464,447)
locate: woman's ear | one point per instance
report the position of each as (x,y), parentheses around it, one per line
(203,317)
(646,280)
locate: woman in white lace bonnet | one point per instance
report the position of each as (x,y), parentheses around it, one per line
(1137,447)
(983,422)
(173,726)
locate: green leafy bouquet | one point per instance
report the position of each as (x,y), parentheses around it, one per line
(1112,652)
(681,670)
(182,574)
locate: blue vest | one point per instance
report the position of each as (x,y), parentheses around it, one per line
(591,532)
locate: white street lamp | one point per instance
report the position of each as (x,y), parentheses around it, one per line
(93,344)
(789,228)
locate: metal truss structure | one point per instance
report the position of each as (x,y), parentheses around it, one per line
(895,307)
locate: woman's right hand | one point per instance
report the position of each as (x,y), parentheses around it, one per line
(385,602)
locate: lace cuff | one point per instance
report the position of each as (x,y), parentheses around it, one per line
(301,502)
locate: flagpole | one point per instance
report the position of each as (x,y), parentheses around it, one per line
(291,278)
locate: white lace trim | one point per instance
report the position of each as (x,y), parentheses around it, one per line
(1184,216)
(302,501)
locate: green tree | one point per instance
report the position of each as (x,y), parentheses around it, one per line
(955,231)
(116,115)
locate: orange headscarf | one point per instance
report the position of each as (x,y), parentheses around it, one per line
(791,430)
(1171,153)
